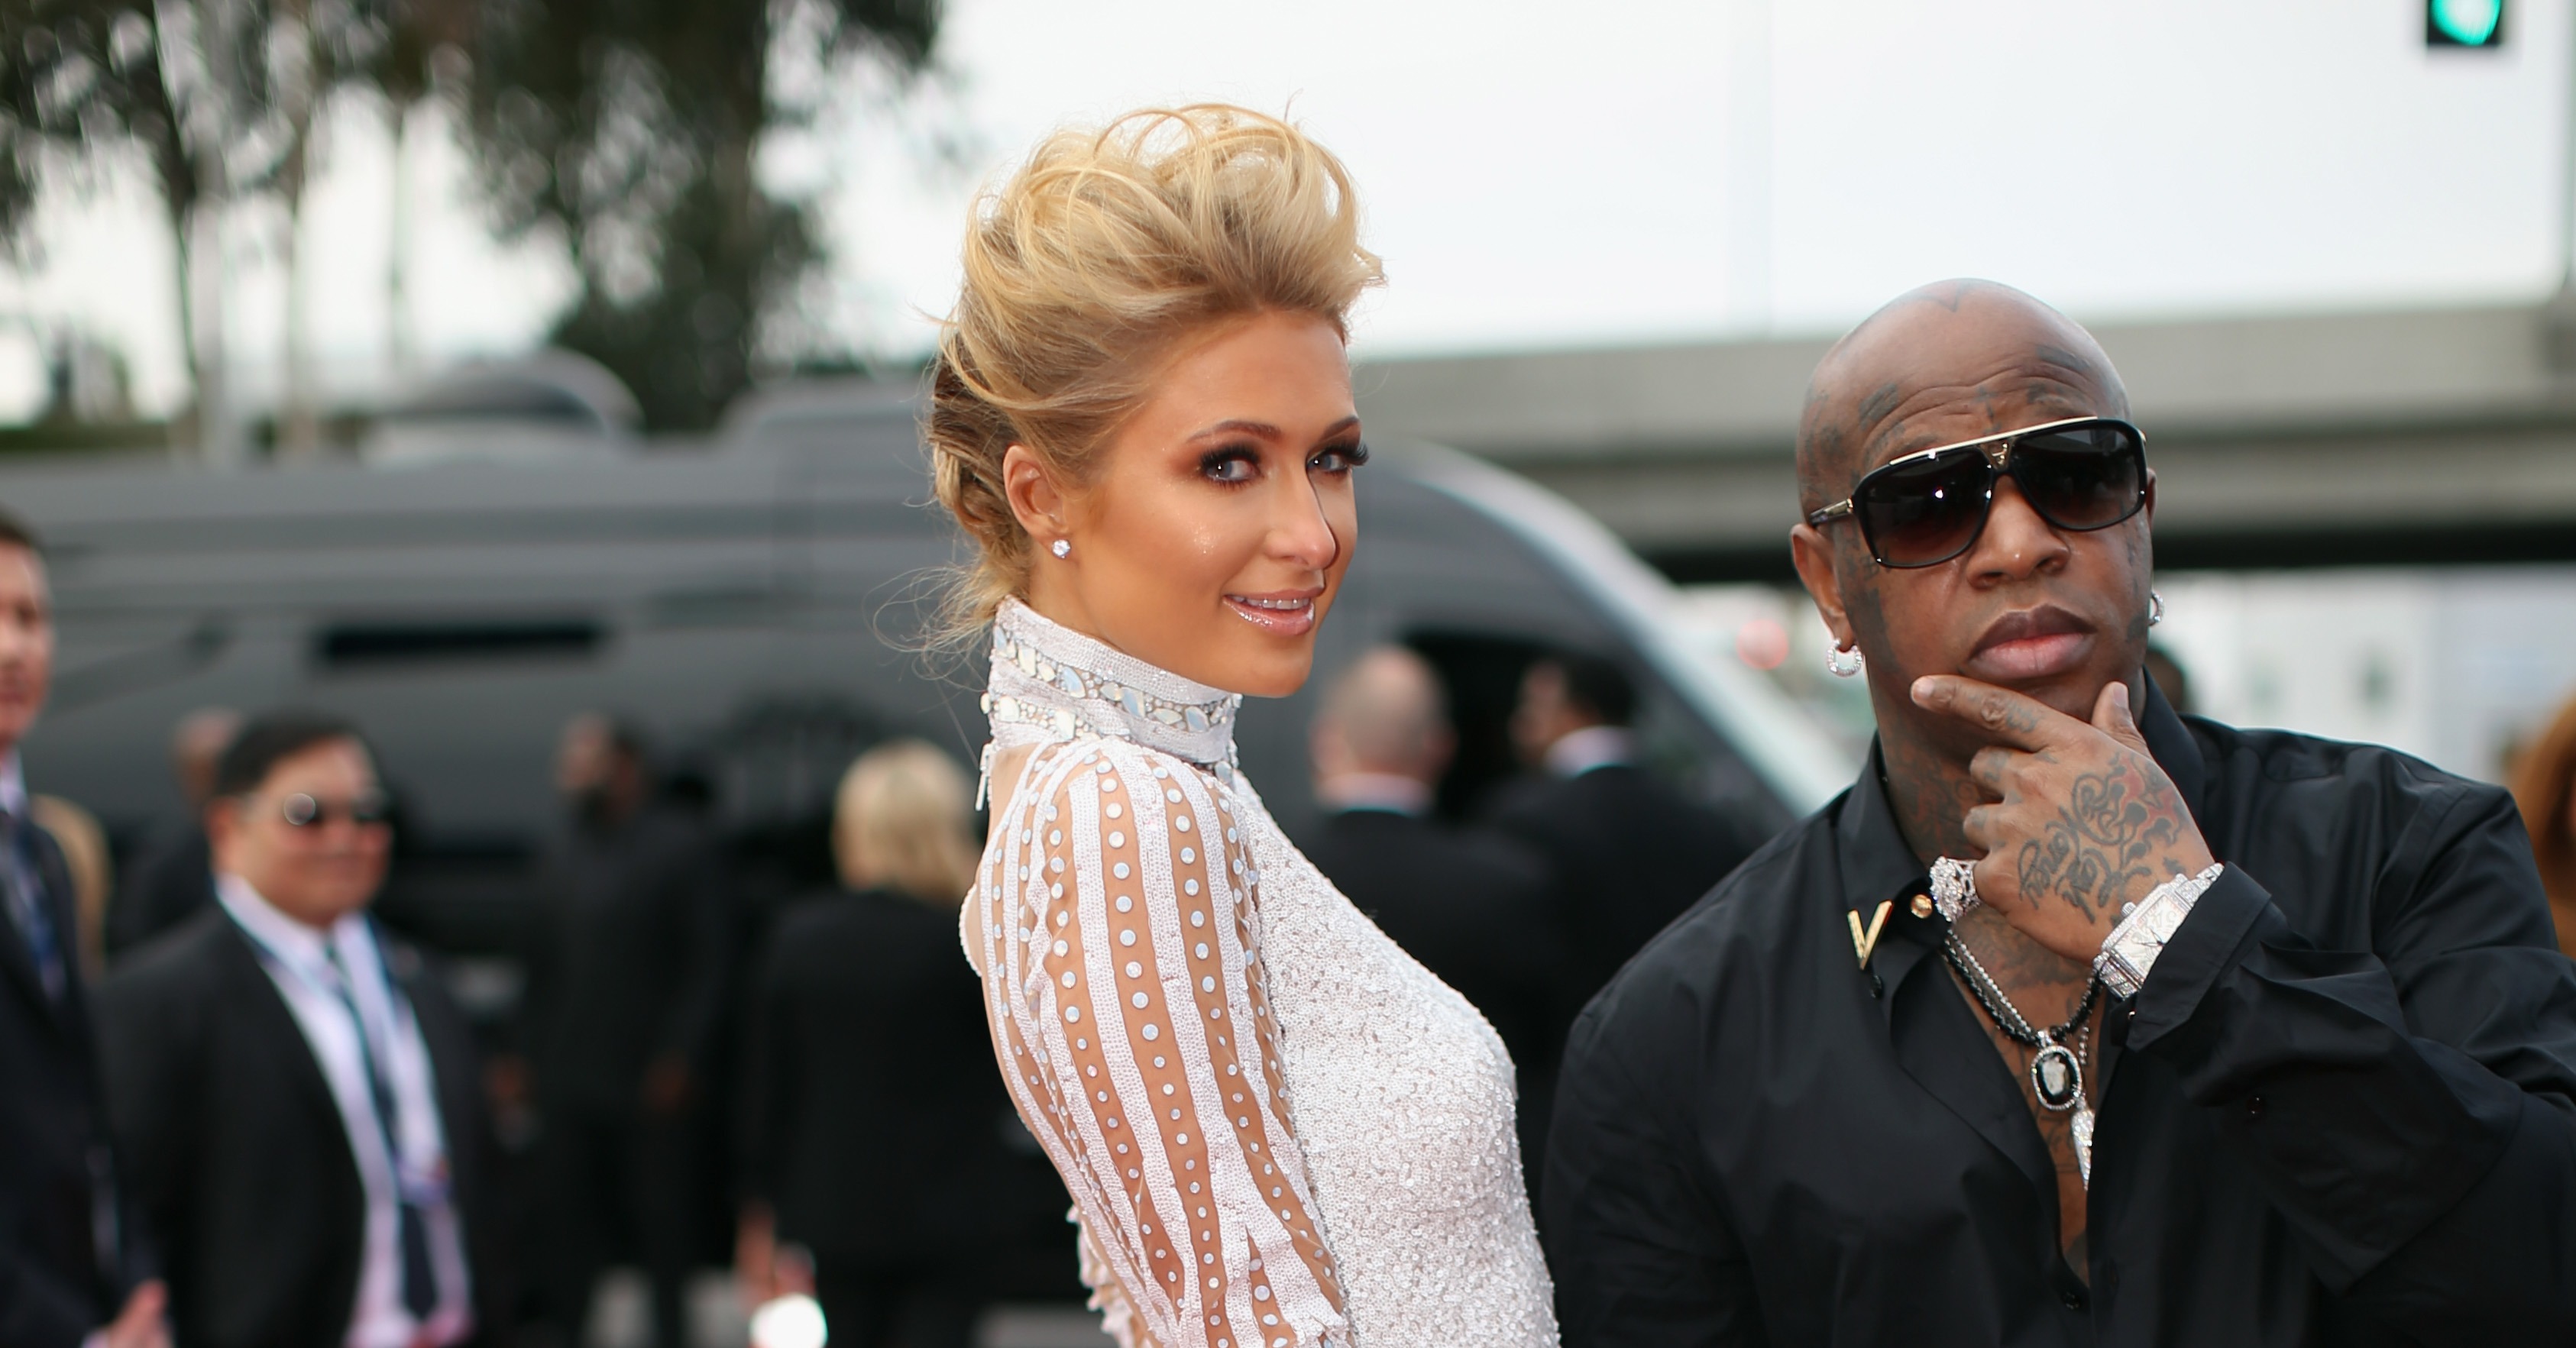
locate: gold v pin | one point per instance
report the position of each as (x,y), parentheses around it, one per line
(1865,942)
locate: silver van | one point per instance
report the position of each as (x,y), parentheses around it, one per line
(753,602)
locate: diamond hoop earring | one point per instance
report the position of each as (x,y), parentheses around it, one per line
(2155,608)
(1060,548)
(1834,664)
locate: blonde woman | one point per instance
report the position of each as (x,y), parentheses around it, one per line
(1277,1128)
(866,1041)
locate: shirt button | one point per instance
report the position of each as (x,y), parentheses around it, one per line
(2073,1296)
(2253,1106)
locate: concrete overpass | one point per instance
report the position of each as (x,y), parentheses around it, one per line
(2333,439)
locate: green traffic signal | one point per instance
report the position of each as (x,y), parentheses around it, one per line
(2464,23)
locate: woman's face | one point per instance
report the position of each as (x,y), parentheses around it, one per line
(1219,519)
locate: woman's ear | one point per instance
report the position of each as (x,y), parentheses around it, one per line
(1036,501)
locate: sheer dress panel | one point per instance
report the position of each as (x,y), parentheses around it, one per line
(1123,974)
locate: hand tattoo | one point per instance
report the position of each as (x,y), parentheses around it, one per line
(2102,837)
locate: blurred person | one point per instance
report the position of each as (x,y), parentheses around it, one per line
(1629,851)
(1471,904)
(623,996)
(2544,789)
(70,1263)
(2170,679)
(296,1093)
(91,867)
(2309,987)
(175,879)
(1141,415)
(873,1126)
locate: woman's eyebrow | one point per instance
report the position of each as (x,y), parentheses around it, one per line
(1263,430)
(1239,426)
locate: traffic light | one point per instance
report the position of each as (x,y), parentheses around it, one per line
(2464,23)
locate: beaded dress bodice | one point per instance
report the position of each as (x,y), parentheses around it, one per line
(1277,1127)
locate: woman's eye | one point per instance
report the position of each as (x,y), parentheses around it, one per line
(1339,458)
(1229,466)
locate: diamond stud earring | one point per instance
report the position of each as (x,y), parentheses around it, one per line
(1061,548)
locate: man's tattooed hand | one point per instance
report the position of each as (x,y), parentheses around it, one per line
(2078,820)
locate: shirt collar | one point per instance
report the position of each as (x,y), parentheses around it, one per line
(13,786)
(1597,746)
(1878,865)
(281,935)
(1385,792)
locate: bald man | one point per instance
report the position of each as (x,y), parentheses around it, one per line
(175,879)
(2072,1021)
(1470,904)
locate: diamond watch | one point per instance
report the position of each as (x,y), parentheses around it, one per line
(2129,952)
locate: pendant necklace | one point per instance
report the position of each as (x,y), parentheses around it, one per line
(2057,1073)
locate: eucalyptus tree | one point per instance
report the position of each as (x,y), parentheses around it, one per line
(185,86)
(631,128)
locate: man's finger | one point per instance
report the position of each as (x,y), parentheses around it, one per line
(1989,766)
(2007,716)
(2112,717)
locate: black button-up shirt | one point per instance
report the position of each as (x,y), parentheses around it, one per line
(2341,1110)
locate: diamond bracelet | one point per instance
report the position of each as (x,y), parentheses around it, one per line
(2129,952)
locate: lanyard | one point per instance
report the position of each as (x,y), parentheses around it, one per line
(423,1185)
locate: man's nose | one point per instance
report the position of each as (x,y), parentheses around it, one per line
(2017,543)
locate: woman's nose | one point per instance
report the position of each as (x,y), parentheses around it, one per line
(1300,531)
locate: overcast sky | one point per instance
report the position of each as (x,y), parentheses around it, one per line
(1546,175)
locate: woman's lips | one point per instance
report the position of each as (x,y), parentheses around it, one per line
(1288,615)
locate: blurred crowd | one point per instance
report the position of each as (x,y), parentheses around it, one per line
(235,1109)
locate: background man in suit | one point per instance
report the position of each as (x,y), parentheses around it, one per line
(175,880)
(625,989)
(66,1258)
(1472,905)
(296,1093)
(1629,851)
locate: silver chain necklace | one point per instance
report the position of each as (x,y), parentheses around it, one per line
(2056,1072)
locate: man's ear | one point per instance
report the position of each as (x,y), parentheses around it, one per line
(1037,499)
(2151,496)
(222,821)
(1813,554)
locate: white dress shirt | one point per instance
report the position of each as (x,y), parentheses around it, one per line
(13,785)
(298,960)
(1382,791)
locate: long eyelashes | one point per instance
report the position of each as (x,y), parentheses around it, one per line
(1239,465)
(1232,466)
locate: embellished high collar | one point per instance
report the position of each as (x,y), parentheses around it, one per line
(1051,683)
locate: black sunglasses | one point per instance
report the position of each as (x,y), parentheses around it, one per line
(1924,509)
(302,811)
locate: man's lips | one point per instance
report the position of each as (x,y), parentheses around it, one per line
(2030,644)
(1289,613)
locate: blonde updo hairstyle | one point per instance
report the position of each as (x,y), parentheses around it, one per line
(1090,268)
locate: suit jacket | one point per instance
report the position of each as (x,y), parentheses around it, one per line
(237,1152)
(873,1119)
(61,1275)
(1630,853)
(629,961)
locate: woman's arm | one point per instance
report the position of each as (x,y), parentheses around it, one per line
(1128,999)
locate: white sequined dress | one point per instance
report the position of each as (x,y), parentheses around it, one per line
(1277,1127)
